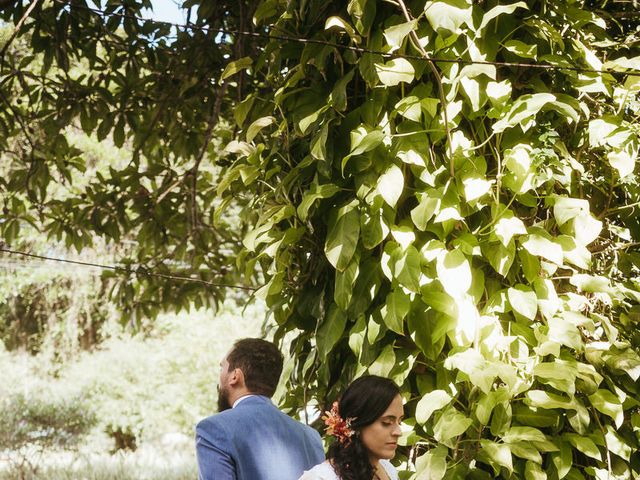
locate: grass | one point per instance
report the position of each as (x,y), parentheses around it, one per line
(148,463)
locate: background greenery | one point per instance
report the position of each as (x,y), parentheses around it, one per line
(137,396)
(468,228)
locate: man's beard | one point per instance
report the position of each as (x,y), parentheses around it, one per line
(223,400)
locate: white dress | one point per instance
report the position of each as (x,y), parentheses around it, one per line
(325,471)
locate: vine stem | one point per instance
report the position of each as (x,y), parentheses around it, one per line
(17,28)
(438,77)
(604,433)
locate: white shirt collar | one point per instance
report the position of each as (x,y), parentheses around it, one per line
(235,404)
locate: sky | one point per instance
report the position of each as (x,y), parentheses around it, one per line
(167,11)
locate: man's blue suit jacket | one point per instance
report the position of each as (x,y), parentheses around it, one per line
(255,441)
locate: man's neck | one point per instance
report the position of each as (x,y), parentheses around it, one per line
(234,396)
(244,397)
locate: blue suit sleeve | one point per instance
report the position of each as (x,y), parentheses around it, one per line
(318,448)
(214,463)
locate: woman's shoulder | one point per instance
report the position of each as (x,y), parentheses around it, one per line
(322,471)
(390,469)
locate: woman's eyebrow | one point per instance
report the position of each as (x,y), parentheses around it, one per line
(393,417)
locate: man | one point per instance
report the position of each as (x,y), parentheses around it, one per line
(250,439)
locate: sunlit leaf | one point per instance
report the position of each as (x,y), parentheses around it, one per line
(606,402)
(234,67)
(397,305)
(432,465)
(431,402)
(258,125)
(395,71)
(450,424)
(391,185)
(454,272)
(448,15)
(523,300)
(395,35)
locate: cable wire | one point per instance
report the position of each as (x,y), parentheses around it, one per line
(272,36)
(128,271)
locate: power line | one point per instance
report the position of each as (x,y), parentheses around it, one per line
(128,271)
(270,36)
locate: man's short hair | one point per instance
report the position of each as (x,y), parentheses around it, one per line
(260,362)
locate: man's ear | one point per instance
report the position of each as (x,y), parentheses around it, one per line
(236,378)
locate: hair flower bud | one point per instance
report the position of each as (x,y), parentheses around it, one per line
(338,426)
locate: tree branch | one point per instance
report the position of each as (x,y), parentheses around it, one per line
(193,173)
(438,77)
(18,118)
(17,29)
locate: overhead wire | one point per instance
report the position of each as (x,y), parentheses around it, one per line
(275,36)
(137,271)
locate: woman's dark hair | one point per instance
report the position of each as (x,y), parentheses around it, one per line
(260,362)
(365,400)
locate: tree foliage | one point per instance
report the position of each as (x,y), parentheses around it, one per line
(466,227)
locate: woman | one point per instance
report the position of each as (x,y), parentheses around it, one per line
(366,427)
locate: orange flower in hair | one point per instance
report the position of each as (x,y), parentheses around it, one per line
(338,426)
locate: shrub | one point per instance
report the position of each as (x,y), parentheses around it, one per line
(29,425)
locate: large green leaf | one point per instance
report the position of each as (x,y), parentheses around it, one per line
(425,210)
(454,272)
(448,16)
(563,459)
(500,257)
(542,247)
(396,307)
(344,283)
(431,402)
(395,72)
(508,226)
(526,450)
(316,192)
(451,423)
(523,434)
(560,374)
(565,333)
(339,23)
(363,141)
(258,125)
(395,35)
(606,402)
(522,49)
(533,471)
(542,399)
(583,444)
(432,465)
(619,445)
(499,10)
(590,283)
(565,208)
(331,330)
(497,454)
(391,184)
(536,417)
(523,111)
(342,238)
(523,300)
(406,267)
(234,67)
(385,362)
(623,160)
